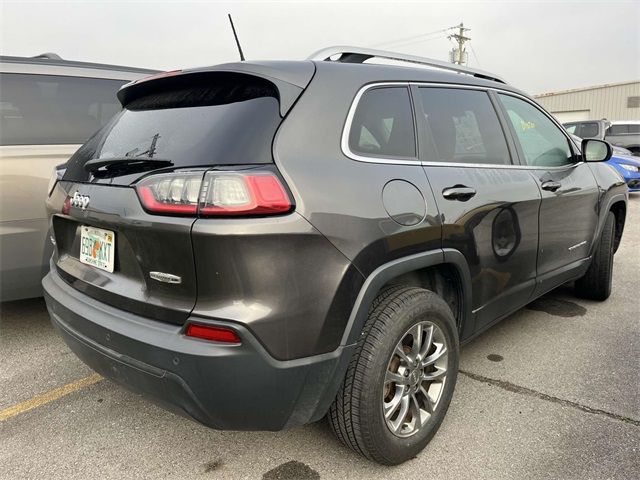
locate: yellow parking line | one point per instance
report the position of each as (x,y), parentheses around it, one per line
(48,397)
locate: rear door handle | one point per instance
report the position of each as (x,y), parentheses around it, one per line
(551,186)
(458,192)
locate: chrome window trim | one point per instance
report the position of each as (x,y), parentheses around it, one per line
(346,131)
(344,143)
(499,165)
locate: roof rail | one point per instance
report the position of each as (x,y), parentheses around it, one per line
(49,55)
(360,55)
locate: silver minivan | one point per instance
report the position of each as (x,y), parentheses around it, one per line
(48,108)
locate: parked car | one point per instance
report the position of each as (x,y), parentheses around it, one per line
(626,164)
(588,128)
(48,108)
(629,167)
(259,245)
(625,134)
(621,151)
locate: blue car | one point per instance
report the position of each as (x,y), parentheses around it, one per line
(629,167)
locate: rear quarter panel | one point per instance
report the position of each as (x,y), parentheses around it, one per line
(342,197)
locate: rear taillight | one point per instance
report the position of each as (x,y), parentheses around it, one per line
(218,193)
(171,193)
(243,194)
(212,333)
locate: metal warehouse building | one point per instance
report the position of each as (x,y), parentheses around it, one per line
(613,101)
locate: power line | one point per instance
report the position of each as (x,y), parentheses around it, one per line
(474,55)
(402,40)
(419,40)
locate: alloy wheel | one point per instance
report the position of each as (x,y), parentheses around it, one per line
(415,379)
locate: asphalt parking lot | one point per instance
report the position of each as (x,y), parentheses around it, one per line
(551,392)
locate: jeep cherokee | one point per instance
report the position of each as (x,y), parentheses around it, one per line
(259,245)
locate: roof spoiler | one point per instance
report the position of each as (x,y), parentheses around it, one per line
(360,55)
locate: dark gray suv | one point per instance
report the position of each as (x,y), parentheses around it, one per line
(259,245)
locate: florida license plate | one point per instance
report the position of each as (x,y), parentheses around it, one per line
(97,247)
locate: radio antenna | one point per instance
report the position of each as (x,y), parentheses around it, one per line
(235,35)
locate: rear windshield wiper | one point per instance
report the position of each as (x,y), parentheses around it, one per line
(128,162)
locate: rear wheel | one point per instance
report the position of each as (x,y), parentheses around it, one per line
(596,283)
(401,378)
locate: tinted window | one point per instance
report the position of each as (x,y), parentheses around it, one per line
(542,142)
(588,130)
(463,126)
(617,130)
(196,120)
(383,124)
(623,129)
(46,109)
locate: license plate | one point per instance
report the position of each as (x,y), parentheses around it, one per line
(97,247)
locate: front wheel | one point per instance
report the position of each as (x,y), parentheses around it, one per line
(401,378)
(596,283)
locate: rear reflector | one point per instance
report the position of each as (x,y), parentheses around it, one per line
(214,334)
(219,193)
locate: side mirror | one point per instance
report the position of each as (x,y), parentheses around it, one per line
(596,150)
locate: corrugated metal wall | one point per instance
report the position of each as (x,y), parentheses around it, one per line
(606,101)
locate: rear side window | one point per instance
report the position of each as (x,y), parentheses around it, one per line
(192,120)
(383,124)
(47,109)
(463,127)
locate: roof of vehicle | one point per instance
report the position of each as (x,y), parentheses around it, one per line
(405,67)
(612,122)
(586,121)
(351,54)
(625,122)
(51,59)
(296,72)
(343,66)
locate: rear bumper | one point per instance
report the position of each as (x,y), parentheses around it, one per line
(235,387)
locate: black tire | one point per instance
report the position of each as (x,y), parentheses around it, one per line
(356,415)
(596,283)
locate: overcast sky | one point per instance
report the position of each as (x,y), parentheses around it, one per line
(538,46)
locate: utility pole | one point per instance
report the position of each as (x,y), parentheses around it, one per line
(459,55)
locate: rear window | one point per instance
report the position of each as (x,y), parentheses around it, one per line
(192,120)
(52,110)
